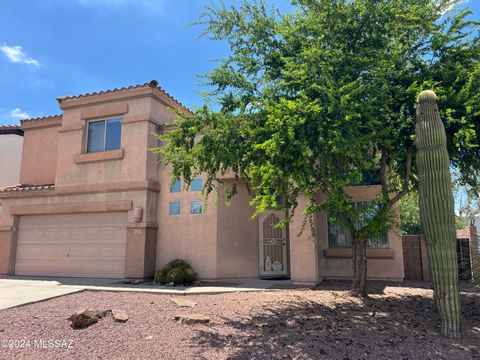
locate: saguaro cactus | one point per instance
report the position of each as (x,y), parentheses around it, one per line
(437,212)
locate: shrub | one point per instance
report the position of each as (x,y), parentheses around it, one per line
(183,274)
(161,276)
(190,276)
(178,264)
(176,275)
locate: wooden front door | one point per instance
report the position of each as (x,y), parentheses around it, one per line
(273,245)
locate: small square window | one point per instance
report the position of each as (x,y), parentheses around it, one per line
(104,135)
(174,208)
(176,186)
(196,207)
(197,185)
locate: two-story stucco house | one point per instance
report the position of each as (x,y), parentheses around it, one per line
(11,142)
(94,202)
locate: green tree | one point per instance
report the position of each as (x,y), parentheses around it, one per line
(410,214)
(311,101)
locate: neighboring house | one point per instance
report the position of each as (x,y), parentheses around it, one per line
(95,202)
(11,142)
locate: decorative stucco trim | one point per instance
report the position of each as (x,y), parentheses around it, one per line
(152,224)
(109,187)
(70,128)
(6,228)
(126,186)
(41,122)
(73,208)
(346,253)
(98,156)
(105,110)
(132,120)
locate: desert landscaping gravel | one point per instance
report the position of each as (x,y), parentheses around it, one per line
(323,323)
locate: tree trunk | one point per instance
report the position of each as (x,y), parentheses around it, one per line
(359,257)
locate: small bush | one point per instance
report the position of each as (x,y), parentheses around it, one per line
(183,274)
(176,276)
(190,276)
(178,264)
(161,276)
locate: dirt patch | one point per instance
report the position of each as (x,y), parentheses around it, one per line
(324,323)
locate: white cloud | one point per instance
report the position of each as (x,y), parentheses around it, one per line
(15,54)
(18,113)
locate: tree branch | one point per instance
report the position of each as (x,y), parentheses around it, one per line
(406,182)
(383,171)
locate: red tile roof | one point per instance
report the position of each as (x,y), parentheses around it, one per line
(23,121)
(27,187)
(11,129)
(151,84)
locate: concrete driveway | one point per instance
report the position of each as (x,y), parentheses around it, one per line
(20,290)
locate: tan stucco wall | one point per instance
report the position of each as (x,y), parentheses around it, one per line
(140,241)
(304,267)
(39,157)
(134,140)
(378,268)
(187,236)
(237,237)
(10,159)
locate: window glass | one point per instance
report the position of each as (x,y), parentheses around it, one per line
(196,207)
(113,135)
(96,136)
(338,236)
(104,135)
(176,186)
(174,208)
(196,185)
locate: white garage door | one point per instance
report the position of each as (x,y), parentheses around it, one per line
(83,245)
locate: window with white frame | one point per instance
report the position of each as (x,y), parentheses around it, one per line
(104,135)
(174,208)
(196,207)
(338,236)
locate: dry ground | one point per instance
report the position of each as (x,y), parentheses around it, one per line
(325,323)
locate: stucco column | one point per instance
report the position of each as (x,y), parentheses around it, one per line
(140,250)
(303,248)
(6,234)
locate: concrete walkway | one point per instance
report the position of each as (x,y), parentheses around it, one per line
(22,290)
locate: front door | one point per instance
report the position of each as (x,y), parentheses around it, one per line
(273,245)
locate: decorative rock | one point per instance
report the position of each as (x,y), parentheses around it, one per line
(83,319)
(102,313)
(120,315)
(183,302)
(136,282)
(189,319)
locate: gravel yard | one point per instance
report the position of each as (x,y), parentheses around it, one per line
(325,323)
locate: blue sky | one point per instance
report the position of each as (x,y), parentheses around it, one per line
(53,48)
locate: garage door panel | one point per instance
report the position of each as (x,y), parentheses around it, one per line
(72,245)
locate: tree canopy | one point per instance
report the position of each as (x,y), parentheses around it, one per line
(318,99)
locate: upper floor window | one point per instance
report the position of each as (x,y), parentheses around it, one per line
(176,186)
(104,135)
(338,236)
(197,185)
